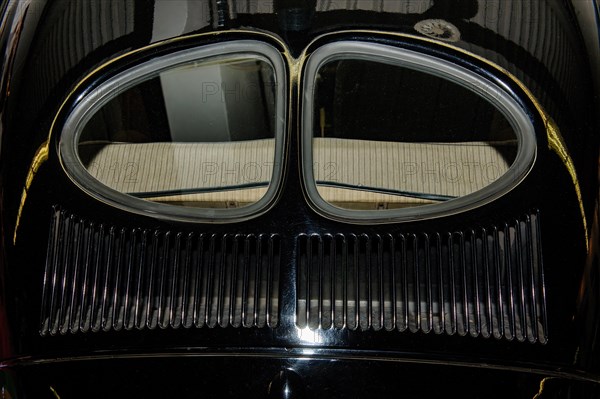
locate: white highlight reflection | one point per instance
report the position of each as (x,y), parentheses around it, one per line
(306,335)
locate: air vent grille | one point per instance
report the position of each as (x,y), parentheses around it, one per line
(487,282)
(101,278)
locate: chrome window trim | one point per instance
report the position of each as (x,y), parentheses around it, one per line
(497,95)
(87,105)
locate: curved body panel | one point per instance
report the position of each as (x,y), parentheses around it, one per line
(505,291)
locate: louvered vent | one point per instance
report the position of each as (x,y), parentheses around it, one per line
(487,282)
(102,277)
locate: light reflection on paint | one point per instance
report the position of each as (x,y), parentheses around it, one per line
(308,336)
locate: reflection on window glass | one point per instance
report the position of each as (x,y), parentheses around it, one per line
(386,136)
(201,134)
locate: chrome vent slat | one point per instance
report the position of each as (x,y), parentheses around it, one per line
(486,282)
(104,278)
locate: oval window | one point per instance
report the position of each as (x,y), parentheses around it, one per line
(194,134)
(394,134)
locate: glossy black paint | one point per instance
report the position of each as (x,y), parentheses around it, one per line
(229,377)
(44,62)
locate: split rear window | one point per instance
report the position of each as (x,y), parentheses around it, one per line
(389,133)
(192,134)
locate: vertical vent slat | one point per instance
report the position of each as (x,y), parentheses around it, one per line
(414,314)
(107,278)
(388,282)
(46,315)
(96,291)
(116,319)
(518,283)
(426,302)
(66,277)
(538,275)
(233,281)
(450,283)
(325,284)
(152,299)
(341,261)
(258,280)
(105,281)
(74,306)
(138,306)
(461,261)
(496,294)
(86,285)
(254,283)
(402,285)
(487,295)
(355,272)
(64,282)
(187,290)
(485,282)
(438,317)
(220,289)
(172,253)
(56,276)
(127,309)
(381,316)
(162,283)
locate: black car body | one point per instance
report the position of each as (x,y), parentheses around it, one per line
(494,293)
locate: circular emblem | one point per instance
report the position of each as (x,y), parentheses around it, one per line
(438,29)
